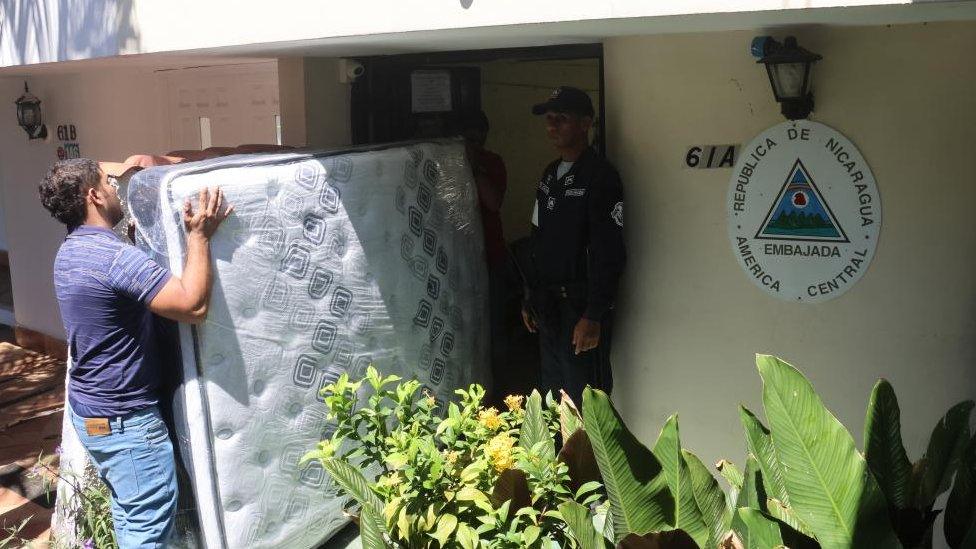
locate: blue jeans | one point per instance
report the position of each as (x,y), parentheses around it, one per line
(136,462)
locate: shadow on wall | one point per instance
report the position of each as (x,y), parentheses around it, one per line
(46,31)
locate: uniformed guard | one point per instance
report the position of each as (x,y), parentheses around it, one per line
(577,252)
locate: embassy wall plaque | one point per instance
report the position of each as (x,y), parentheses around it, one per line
(804,212)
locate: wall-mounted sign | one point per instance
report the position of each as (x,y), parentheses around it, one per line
(804,212)
(67,132)
(711,156)
(68,150)
(430,91)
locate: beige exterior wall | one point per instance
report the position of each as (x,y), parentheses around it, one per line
(689,318)
(327,109)
(117,113)
(291,91)
(315,105)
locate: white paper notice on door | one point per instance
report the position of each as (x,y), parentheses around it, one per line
(430,91)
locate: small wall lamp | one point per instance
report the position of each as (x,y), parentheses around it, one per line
(29,115)
(788,66)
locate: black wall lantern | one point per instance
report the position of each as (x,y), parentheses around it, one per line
(788,66)
(29,115)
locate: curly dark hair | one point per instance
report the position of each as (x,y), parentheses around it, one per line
(63,189)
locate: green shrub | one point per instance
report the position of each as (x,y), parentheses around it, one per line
(468,476)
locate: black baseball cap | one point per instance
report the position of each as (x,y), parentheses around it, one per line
(566,99)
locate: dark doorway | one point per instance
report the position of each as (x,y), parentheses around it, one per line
(382,100)
(411,96)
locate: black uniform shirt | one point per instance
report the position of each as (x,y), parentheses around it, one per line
(579,240)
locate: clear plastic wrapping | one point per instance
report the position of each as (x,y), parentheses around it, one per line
(331,262)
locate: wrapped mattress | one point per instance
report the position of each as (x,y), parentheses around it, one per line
(330,263)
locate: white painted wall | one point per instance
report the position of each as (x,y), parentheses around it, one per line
(45,31)
(117,113)
(690,319)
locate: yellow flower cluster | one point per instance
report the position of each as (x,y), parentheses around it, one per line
(451,457)
(490,419)
(499,451)
(514,402)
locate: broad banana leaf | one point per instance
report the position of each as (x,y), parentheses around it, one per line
(733,476)
(577,454)
(946,446)
(672,539)
(960,513)
(534,428)
(755,529)
(883,448)
(581,526)
(731,473)
(753,493)
(371,529)
(687,515)
(353,482)
(709,498)
(761,446)
(637,487)
(570,419)
(830,486)
(512,485)
(781,512)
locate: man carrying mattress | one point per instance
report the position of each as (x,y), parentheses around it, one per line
(108,292)
(577,251)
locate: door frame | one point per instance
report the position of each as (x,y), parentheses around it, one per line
(363,104)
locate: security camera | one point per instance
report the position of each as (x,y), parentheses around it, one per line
(350,71)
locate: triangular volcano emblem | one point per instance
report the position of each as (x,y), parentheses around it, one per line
(800,212)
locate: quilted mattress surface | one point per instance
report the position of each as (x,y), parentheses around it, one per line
(330,263)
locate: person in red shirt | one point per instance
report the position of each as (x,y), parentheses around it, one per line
(492,180)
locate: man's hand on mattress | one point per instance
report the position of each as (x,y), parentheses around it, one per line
(205,220)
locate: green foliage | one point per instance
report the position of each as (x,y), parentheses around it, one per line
(775,499)
(828,481)
(687,515)
(755,529)
(581,526)
(637,487)
(883,448)
(535,427)
(11,535)
(463,476)
(90,505)
(960,513)
(709,498)
(753,493)
(911,489)
(760,445)
(946,446)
